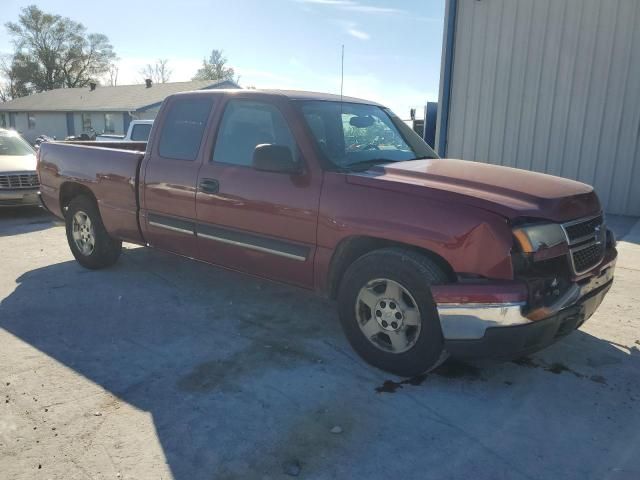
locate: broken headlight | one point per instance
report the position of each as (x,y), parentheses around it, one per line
(531,238)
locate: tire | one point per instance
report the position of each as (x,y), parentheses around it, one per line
(411,273)
(104,250)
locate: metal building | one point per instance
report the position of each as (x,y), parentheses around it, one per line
(546,85)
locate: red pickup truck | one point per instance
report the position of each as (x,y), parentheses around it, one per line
(426,257)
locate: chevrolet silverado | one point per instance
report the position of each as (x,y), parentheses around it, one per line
(426,257)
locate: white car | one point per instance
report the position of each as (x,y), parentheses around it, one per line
(138,132)
(18,178)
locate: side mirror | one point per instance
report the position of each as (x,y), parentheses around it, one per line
(275,158)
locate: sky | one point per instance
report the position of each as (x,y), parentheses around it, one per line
(392,48)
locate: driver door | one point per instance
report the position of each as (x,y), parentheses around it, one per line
(259,222)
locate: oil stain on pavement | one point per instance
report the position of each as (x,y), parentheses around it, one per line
(451,369)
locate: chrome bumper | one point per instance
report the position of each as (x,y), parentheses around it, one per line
(19,197)
(470,321)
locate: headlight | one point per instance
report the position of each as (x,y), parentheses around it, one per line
(534,237)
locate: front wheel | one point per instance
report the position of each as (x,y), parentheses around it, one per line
(89,241)
(387,311)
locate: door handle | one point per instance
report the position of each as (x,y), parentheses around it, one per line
(209,185)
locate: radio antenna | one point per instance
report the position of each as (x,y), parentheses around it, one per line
(342,73)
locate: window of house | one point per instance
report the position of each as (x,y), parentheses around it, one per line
(86,121)
(109,126)
(183,128)
(3,121)
(31,121)
(247,124)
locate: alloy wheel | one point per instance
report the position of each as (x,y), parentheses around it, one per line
(83,233)
(388,315)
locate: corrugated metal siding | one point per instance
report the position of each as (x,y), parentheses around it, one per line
(552,86)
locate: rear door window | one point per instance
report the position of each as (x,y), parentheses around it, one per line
(183,128)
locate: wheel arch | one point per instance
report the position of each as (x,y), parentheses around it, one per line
(351,248)
(71,190)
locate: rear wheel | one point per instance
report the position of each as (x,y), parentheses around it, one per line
(387,311)
(89,241)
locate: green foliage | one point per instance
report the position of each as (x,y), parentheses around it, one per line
(215,68)
(52,51)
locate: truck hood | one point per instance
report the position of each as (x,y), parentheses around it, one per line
(509,192)
(17,163)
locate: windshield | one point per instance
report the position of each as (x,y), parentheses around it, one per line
(12,144)
(352,135)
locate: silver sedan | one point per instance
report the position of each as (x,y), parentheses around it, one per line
(18,178)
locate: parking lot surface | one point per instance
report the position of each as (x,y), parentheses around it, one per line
(164,368)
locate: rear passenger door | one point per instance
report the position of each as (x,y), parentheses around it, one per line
(255,221)
(170,175)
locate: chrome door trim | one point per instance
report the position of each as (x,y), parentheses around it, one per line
(252,247)
(253,241)
(170,223)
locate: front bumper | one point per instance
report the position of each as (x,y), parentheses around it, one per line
(504,328)
(518,340)
(19,197)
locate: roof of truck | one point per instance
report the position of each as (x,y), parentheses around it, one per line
(304,95)
(290,94)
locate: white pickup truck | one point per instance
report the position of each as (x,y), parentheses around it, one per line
(138,132)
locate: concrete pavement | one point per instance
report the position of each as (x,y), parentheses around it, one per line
(163,368)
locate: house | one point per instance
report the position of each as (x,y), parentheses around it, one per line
(550,86)
(71,111)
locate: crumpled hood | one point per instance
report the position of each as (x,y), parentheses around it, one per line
(509,192)
(17,163)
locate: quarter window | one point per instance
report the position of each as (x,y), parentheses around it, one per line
(247,124)
(183,128)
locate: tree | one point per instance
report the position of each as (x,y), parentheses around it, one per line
(112,74)
(12,84)
(52,51)
(8,83)
(159,72)
(215,68)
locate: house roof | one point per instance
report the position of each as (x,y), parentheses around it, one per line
(126,98)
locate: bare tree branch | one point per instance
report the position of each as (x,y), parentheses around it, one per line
(159,72)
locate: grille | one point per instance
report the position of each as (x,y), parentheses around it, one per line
(587,257)
(586,238)
(580,230)
(19,180)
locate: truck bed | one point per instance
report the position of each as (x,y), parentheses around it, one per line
(106,171)
(134,146)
